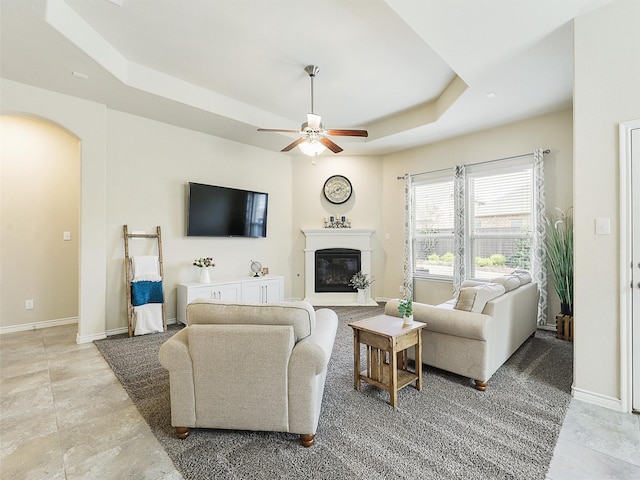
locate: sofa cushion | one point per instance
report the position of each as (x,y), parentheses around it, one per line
(483,294)
(509,282)
(465,299)
(524,277)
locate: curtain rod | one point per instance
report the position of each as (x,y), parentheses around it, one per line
(545,152)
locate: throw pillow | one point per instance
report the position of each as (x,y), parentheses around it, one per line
(485,294)
(465,299)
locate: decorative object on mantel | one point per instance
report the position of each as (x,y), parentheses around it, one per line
(256,268)
(559,243)
(405,308)
(360,281)
(337,222)
(203,264)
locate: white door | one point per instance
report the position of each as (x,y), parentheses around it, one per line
(635,212)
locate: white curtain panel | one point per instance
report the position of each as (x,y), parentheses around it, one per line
(539,267)
(459,223)
(408,245)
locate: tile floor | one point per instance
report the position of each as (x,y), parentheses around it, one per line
(64,415)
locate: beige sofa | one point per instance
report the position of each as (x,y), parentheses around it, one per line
(475,333)
(250,367)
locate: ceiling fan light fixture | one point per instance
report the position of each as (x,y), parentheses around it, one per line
(311,147)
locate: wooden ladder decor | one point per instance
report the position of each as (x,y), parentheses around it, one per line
(129,272)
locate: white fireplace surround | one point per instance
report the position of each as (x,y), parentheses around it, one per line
(320,239)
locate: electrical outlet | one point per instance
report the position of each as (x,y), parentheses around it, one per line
(28,304)
(401,289)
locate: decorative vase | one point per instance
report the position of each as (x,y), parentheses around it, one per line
(204,275)
(361,298)
(408,320)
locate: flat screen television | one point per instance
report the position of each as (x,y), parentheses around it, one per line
(215,211)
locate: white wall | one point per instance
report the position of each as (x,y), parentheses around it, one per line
(149,166)
(40,199)
(552,132)
(607,92)
(310,207)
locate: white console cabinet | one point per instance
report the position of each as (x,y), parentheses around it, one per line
(247,290)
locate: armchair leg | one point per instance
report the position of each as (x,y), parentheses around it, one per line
(480,385)
(182,432)
(307,440)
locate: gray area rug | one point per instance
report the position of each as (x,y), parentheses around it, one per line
(447,431)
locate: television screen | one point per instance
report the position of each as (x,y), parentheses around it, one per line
(215,211)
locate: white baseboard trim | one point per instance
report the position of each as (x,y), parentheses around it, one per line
(597,399)
(80,339)
(38,325)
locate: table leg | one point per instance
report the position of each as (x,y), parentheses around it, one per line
(356,360)
(393,378)
(418,357)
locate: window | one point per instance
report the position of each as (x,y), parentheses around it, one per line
(499,220)
(500,213)
(432,225)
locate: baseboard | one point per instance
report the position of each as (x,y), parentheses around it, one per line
(597,399)
(38,325)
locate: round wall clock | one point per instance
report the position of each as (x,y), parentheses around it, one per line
(337,189)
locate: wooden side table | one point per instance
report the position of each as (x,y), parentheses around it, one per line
(387,340)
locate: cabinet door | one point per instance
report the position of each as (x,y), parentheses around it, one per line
(229,292)
(273,291)
(252,292)
(200,292)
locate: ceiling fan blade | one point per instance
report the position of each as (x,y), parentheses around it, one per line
(347,133)
(293,145)
(330,145)
(277,130)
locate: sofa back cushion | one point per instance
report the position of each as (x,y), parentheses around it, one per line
(300,315)
(509,282)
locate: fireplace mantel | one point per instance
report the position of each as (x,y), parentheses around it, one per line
(322,238)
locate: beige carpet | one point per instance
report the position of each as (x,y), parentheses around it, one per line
(447,431)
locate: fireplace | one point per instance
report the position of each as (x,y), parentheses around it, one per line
(338,250)
(334,269)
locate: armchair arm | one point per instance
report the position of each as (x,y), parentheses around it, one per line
(307,373)
(174,356)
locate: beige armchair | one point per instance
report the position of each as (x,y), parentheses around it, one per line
(250,367)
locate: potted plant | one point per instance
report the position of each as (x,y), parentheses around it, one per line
(203,264)
(405,308)
(559,243)
(360,281)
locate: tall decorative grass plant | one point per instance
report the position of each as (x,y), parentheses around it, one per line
(559,244)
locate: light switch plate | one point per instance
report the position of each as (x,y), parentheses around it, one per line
(603,226)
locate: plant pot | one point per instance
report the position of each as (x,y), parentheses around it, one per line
(566,309)
(204,275)
(407,320)
(361,298)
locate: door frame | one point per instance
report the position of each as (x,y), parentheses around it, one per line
(626,277)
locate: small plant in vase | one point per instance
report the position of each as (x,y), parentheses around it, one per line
(405,308)
(203,264)
(360,281)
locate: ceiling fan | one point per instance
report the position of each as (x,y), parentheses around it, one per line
(314,136)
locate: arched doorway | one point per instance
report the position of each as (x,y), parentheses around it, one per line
(40,202)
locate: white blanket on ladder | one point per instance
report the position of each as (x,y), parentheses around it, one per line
(147,319)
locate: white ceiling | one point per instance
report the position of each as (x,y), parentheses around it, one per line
(410,71)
